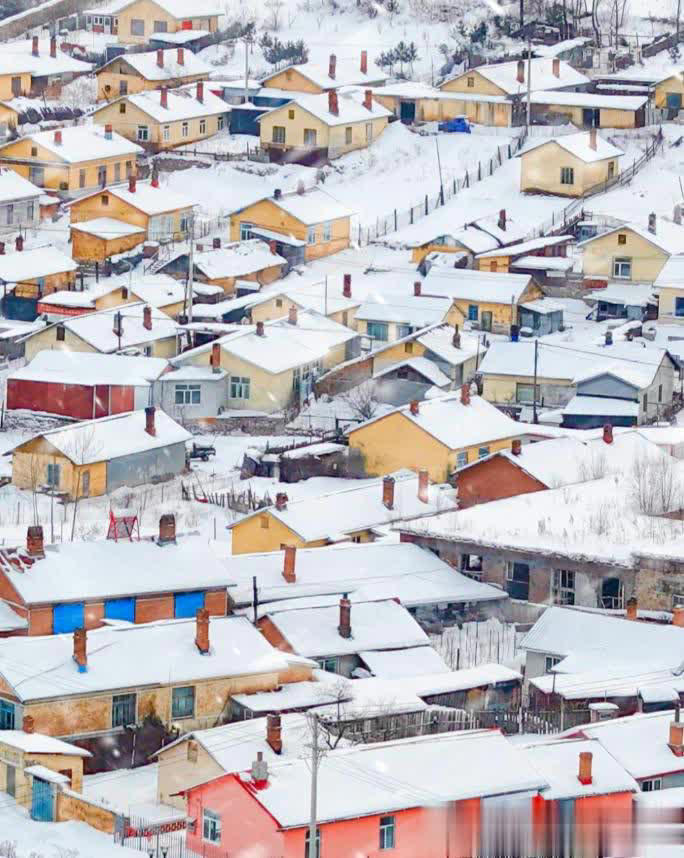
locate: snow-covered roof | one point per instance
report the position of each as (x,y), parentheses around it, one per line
(111,437)
(401,663)
(16,187)
(39,743)
(180,37)
(31,263)
(18,56)
(667,236)
(107,227)
(629,294)
(522,247)
(638,742)
(158,290)
(146,198)
(181,104)
(610,680)
(417,310)
(589,99)
(84,143)
(544,306)
(558,763)
(400,570)
(578,145)
(347,73)
(237,260)
(313,632)
(602,406)
(440,341)
(349,110)
(427,368)
(480,286)
(175,8)
(359,506)
(311,207)
(672,273)
(560,47)
(427,230)
(362,781)
(454,424)
(504,75)
(90,368)
(542,263)
(74,571)
(161,653)
(146,64)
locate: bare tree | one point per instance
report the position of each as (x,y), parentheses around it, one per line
(656,487)
(361,399)
(81,450)
(275,11)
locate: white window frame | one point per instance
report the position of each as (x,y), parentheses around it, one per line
(327,231)
(551,661)
(185,129)
(330,665)
(461,459)
(143,133)
(369,132)
(211,832)
(276,135)
(190,394)
(166,132)
(652,785)
(203,126)
(483,452)
(311,235)
(567,176)
(621,264)
(245,230)
(134,23)
(240,387)
(310,137)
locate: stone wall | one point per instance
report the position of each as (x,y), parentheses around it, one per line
(71,805)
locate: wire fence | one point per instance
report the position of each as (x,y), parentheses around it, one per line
(398,219)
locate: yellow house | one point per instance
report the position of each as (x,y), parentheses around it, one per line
(350,514)
(385,318)
(412,101)
(327,124)
(669,285)
(316,78)
(438,234)
(78,686)
(131,73)
(161,119)
(665,92)
(139,20)
(15,77)
(440,435)
(570,165)
(72,160)
(160,291)
(162,214)
(304,226)
(37,271)
(98,239)
(631,252)
(591,110)
(548,250)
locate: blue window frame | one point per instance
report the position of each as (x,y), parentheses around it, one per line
(67,617)
(472,312)
(187,604)
(6,715)
(183,702)
(679,306)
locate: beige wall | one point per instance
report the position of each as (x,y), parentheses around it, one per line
(30,464)
(647,259)
(178,772)
(608,117)
(673,84)
(19,760)
(666,303)
(541,171)
(90,248)
(292,80)
(149,12)
(501,389)
(109,79)
(47,339)
(6,85)
(480,84)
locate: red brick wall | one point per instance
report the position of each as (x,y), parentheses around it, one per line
(40,621)
(155,608)
(215,603)
(94,614)
(272,635)
(493,479)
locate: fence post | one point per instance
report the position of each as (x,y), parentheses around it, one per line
(467,180)
(411,210)
(395,219)
(426,204)
(510,154)
(455,186)
(479,171)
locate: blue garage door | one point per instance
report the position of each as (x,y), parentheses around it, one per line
(120,609)
(187,604)
(42,801)
(66,618)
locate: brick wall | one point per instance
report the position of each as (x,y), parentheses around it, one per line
(71,805)
(344,377)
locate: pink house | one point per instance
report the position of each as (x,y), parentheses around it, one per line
(430,797)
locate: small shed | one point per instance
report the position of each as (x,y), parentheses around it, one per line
(98,239)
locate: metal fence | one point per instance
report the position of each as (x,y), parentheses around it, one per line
(159,839)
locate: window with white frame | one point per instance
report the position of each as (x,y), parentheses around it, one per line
(327,231)
(166,132)
(53,474)
(369,132)
(278,134)
(30,211)
(317,850)
(309,136)
(203,126)
(482,452)
(525,393)
(387,832)
(185,129)
(622,267)
(219,123)
(328,664)
(245,230)
(143,133)
(188,394)
(311,235)
(239,387)
(137,27)
(461,459)
(567,176)
(211,826)
(563,589)
(10,214)
(161,27)
(550,662)
(652,785)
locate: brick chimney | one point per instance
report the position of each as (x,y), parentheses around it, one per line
(520,77)
(585,760)
(108,132)
(118,324)
(423,486)
(368,99)
(344,627)
(34,541)
(676,743)
(180,56)
(292,315)
(200,91)
(652,223)
(167,529)
(260,329)
(80,649)
(149,420)
(58,137)
(332,65)
(346,285)
(333,106)
(215,357)
(19,243)
(555,67)
(631,608)
(516,446)
(53,47)
(2,248)
(160,58)
(216,243)
(281,501)
(147,317)
(593,139)
(456,339)
(164,97)
(417,288)
(27,724)
(273,732)
(364,62)
(289,573)
(502,220)
(388,492)
(465,394)
(678,616)
(608,433)
(202,630)
(132,183)
(34,47)
(414,407)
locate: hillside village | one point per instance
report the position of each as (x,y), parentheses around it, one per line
(341,429)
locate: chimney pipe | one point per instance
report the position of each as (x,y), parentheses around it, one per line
(147,317)
(502,220)
(652,221)
(585,760)
(676,743)
(132,183)
(678,616)
(608,433)
(181,57)
(333,106)
(423,485)
(34,541)
(417,288)
(281,501)
(456,339)
(388,492)
(516,446)
(216,243)
(273,247)
(346,286)
(19,243)
(215,357)
(202,630)
(53,47)
(108,132)
(260,770)
(555,67)
(58,137)
(260,329)
(414,407)
(677,214)
(160,58)
(465,394)
(34,47)
(277,194)
(292,315)
(593,139)
(149,420)
(273,732)
(344,627)
(520,77)
(118,324)
(289,558)
(368,99)
(200,91)
(164,97)
(80,649)
(631,609)
(609,338)
(27,724)
(364,62)
(332,63)
(167,529)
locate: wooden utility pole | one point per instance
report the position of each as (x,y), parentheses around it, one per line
(534,383)
(191,271)
(315,759)
(529,77)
